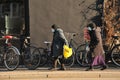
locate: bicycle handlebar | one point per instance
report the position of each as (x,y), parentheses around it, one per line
(115,37)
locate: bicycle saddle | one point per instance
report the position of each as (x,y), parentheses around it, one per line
(47,42)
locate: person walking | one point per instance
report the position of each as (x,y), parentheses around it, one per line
(57,46)
(96,47)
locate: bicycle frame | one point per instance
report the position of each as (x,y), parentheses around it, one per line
(73,44)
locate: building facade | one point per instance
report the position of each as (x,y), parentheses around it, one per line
(71,15)
(37,16)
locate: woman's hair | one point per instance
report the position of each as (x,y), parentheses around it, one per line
(92,25)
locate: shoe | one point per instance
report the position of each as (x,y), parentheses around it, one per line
(104,67)
(62,69)
(53,69)
(89,69)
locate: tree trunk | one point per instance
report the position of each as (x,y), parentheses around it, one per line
(111,21)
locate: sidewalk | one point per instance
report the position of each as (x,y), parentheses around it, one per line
(60,75)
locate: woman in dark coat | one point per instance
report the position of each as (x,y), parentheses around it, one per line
(96,47)
(57,46)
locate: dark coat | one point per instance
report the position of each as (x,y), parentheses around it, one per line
(58,41)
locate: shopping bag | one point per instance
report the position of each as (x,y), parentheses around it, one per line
(67,52)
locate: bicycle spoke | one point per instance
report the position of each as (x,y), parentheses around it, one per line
(11,59)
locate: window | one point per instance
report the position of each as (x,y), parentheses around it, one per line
(11,17)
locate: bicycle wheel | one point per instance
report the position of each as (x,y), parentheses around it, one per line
(115,55)
(82,56)
(69,62)
(11,59)
(31,57)
(44,57)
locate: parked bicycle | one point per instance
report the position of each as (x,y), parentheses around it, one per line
(79,51)
(9,54)
(30,58)
(82,55)
(113,51)
(73,44)
(46,56)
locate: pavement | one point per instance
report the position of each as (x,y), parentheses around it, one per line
(75,73)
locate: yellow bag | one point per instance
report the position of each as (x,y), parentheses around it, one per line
(67,52)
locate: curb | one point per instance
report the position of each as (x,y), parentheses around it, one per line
(58,74)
